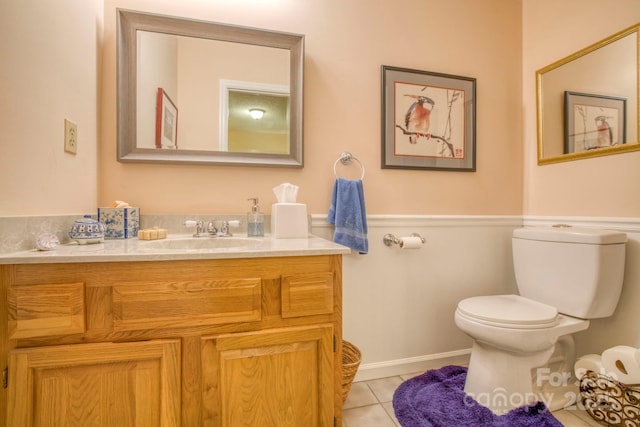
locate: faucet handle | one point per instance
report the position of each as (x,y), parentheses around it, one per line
(199,225)
(226,225)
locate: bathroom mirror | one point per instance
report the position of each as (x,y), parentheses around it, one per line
(587,103)
(191,91)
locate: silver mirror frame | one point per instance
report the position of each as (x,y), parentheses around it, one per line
(130,22)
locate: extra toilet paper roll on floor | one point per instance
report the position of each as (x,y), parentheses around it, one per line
(410,242)
(622,363)
(589,362)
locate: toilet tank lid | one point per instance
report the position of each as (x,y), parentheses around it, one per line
(569,234)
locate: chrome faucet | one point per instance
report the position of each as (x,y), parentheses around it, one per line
(210,229)
(202,229)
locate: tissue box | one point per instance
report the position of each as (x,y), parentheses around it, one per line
(120,223)
(289,221)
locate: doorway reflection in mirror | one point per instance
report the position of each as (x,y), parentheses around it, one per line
(240,132)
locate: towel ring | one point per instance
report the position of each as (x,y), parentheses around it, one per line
(346,158)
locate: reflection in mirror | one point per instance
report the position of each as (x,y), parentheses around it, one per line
(587,103)
(254,117)
(199,80)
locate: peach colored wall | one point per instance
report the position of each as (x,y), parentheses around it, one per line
(56,69)
(50,56)
(158,63)
(346,44)
(604,186)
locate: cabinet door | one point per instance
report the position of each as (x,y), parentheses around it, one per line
(281,377)
(107,384)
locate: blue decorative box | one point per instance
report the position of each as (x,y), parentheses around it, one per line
(120,223)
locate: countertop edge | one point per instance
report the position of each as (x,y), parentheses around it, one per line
(128,250)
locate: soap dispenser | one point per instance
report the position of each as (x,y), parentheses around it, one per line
(255,220)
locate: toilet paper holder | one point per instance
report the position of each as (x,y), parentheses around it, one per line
(390,239)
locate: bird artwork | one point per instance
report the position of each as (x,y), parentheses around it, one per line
(418,118)
(605,135)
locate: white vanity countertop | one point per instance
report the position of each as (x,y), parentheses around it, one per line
(142,250)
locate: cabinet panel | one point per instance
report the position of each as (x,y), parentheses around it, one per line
(234,342)
(150,305)
(307,294)
(271,378)
(123,384)
(45,310)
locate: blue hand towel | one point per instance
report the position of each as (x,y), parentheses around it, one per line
(349,215)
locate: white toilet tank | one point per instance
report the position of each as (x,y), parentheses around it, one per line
(577,270)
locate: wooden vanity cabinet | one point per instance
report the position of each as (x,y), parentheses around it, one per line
(221,342)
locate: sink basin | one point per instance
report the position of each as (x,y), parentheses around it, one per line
(200,243)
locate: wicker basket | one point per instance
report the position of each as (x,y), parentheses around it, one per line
(351,358)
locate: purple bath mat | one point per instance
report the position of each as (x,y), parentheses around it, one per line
(437,399)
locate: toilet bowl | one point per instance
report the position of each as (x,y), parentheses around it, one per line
(565,277)
(512,336)
(514,323)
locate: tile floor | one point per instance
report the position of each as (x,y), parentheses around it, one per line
(369,405)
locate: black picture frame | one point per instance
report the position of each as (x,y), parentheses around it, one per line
(428,120)
(593,121)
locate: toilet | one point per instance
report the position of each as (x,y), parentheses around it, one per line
(565,276)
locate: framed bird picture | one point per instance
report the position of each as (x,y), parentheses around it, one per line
(428,120)
(593,121)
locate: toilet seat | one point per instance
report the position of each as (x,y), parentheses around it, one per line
(509,311)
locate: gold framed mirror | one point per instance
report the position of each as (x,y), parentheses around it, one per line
(587,103)
(171,74)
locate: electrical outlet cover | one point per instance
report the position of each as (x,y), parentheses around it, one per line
(70,137)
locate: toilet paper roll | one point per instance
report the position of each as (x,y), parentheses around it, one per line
(621,363)
(589,362)
(410,242)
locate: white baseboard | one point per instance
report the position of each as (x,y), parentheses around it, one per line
(392,368)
